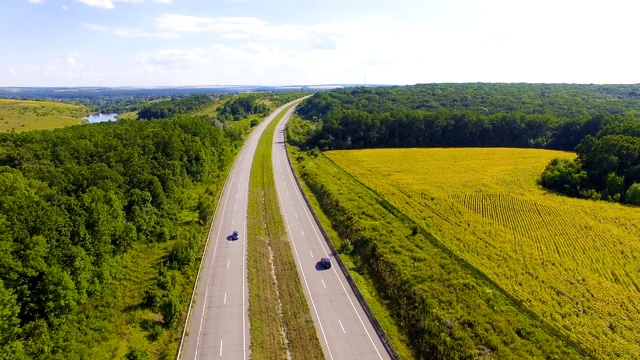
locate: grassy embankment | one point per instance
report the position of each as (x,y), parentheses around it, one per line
(572,262)
(281,324)
(442,305)
(23,115)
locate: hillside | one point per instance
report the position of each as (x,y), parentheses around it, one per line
(23,115)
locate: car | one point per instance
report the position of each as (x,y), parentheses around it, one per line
(234,236)
(326,262)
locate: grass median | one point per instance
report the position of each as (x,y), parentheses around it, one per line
(281,324)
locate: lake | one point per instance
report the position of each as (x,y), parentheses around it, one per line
(96,118)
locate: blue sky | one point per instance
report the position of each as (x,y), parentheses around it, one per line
(295,42)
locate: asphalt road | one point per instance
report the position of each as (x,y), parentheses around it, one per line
(218,324)
(343,328)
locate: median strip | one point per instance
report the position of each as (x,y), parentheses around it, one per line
(281,325)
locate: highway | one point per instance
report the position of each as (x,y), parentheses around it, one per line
(343,328)
(218,321)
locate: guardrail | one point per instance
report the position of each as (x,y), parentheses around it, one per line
(386,341)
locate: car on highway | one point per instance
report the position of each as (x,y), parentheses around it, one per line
(234,236)
(326,262)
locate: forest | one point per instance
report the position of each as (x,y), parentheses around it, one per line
(471,115)
(75,201)
(162,109)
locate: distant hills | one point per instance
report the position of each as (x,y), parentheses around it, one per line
(135,91)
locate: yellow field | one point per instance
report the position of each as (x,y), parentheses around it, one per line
(22,115)
(575,263)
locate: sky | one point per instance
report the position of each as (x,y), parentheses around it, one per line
(312,42)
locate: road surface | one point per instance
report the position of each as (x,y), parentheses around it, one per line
(218,323)
(343,328)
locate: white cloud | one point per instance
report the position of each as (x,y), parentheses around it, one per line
(105,4)
(13,71)
(65,8)
(315,36)
(110,4)
(71,59)
(125,32)
(35,1)
(168,60)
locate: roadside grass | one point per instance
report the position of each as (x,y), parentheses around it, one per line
(27,115)
(281,324)
(354,265)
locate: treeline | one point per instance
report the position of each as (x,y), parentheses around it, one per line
(72,201)
(241,106)
(163,109)
(476,115)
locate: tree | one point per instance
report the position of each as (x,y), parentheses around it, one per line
(633,194)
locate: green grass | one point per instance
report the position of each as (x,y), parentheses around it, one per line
(23,115)
(281,324)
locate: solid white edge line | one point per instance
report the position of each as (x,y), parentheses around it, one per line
(306,211)
(215,249)
(304,277)
(193,293)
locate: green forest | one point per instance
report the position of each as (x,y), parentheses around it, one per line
(83,207)
(467,115)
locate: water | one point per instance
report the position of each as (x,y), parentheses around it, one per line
(96,118)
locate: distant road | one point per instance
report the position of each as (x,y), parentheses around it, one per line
(218,325)
(343,328)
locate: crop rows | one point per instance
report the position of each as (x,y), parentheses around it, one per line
(572,262)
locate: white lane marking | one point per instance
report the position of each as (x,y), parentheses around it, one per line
(310,253)
(342,326)
(325,286)
(291,202)
(296,216)
(306,284)
(228,262)
(306,211)
(236,196)
(287,191)
(234,207)
(215,249)
(225,298)
(233,221)
(220,347)
(302,232)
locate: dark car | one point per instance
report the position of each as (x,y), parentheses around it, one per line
(326,262)
(234,236)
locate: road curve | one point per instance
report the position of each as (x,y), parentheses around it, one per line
(344,330)
(218,322)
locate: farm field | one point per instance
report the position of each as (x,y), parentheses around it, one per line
(572,262)
(23,115)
